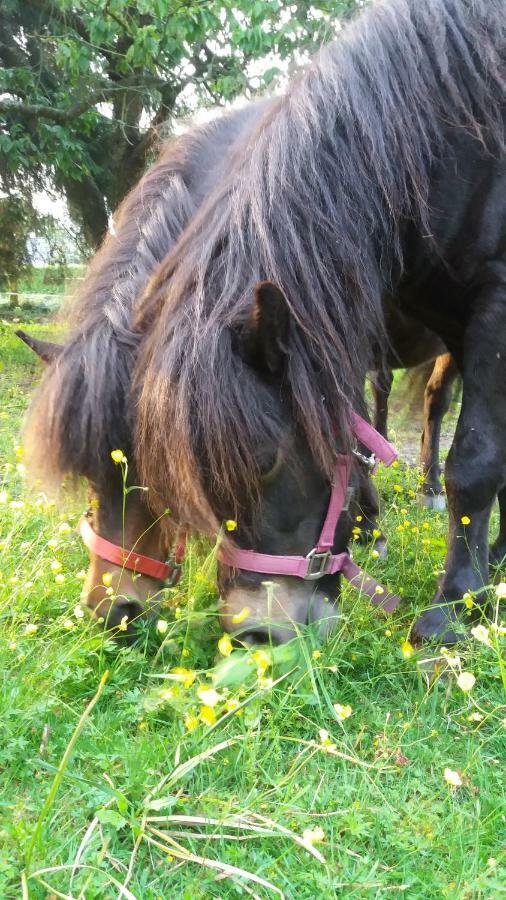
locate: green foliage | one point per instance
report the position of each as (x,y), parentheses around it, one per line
(264,776)
(84,94)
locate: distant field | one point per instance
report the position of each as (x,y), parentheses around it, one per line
(284,794)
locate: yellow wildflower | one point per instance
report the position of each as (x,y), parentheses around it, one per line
(107,579)
(118,456)
(81,575)
(262,660)
(375,554)
(313,835)
(475,717)
(379,590)
(376,533)
(231,704)
(264,682)
(465,520)
(325,740)
(162,626)
(468,600)
(452,778)
(358,518)
(123,625)
(208,695)
(185,651)
(466,681)
(186,677)
(31,628)
(356,531)
(398,488)
(12,645)
(500,590)
(480,632)
(342,712)
(425,525)
(388,633)
(407,649)
(207,715)
(225,645)
(79,611)
(52,543)
(316,654)
(69,624)
(191,722)
(59,579)
(231,525)
(241,616)
(56,565)
(64,528)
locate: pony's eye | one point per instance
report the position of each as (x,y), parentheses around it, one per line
(270,464)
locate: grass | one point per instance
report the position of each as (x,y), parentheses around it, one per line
(106,793)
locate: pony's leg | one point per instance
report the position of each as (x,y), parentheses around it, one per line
(437,399)
(475,468)
(381,385)
(497,555)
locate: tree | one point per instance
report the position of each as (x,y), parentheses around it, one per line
(86,85)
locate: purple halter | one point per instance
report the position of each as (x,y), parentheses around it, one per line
(320,560)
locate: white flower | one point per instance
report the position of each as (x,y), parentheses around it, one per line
(313,835)
(208,695)
(31,628)
(79,611)
(480,632)
(162,626)
(500,590)
(466,681)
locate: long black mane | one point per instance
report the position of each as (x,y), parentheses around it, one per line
(81,410)
(316,201)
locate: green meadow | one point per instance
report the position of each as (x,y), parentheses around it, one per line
(359,767)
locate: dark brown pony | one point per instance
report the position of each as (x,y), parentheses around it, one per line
(82,411)
(380,174)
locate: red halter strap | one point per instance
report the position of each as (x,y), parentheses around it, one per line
(129,559)
(320,561)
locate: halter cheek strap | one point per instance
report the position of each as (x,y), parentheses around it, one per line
(320,560)
(129,559)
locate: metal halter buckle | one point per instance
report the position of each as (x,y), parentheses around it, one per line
(175,574)
(319,559)
(370,461)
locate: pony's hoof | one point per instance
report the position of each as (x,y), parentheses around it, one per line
(433,501)
(439,623)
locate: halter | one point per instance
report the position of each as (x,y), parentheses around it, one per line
(129,559)
(320,560)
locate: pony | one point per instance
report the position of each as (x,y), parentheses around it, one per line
(378,176)
(81,411)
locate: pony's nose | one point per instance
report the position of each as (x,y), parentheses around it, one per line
(122,613)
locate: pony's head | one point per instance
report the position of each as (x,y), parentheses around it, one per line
(246,467)
(128,547)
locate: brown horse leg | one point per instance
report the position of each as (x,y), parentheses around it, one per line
(438,395)
(381,385)
(497,554)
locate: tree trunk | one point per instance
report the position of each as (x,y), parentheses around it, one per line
(88,208)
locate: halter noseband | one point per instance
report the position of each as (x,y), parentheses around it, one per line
(129,559)
(320,560)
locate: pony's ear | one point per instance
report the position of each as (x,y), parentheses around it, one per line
(46,350)
(264,345)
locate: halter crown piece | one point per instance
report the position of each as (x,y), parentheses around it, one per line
(320,560)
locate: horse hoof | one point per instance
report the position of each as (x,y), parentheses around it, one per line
(439,623)
(433,501)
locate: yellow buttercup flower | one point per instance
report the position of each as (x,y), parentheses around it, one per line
(31,628)
(398,488)
(166,694)
(118,456)
(375,554)
(162,626)
(465,520)
(231,704)
(59,579)
(107,579)
(56,565)
(379,590)
(407,649)
(241,616)
(64,528)
(191,722)
(225,645)
(69,624)
(342,712)
(325,740)
(316,654)
(207,715)
(452,777)
(123,625)
(262,660)
(186,677)
(231,525)
(376,533)
(313,835)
